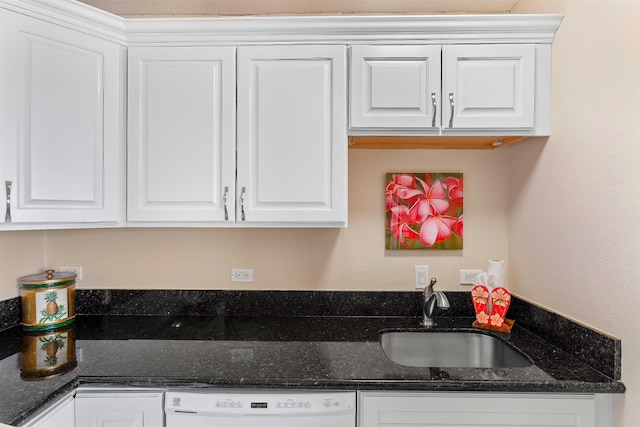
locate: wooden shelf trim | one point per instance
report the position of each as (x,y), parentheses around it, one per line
(448,142)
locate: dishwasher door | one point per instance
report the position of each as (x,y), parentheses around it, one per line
(238,408)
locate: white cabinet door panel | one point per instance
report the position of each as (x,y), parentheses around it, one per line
(181,133)
(119,409)
(489,86)
(292,139)
(53,129)
(475,410)
(395,86)
(61,122)
(120,419)
(59,414)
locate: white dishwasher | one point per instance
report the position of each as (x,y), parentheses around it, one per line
(265,408)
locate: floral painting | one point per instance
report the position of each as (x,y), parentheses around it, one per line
(424,211)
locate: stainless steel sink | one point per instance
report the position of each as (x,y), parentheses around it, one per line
(450,350)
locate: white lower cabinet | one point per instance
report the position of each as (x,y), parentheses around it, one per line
(59,414)
(126,408)
(393,409)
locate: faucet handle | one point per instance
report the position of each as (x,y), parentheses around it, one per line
(428,290)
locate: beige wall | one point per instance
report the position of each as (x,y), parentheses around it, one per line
(351,258)
(21,253)
(574,202)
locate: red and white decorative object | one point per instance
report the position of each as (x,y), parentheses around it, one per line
(480,298)
(491,300)
(500,301)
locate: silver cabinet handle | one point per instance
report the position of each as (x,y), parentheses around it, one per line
(7,214)
(452,109)
(224,198)
(435,108)
(242,217)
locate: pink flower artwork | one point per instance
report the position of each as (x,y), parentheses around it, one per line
(424,211)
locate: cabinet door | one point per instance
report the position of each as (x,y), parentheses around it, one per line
(122,409)
(61,123)
(60,414)
(488,86)
(475,410)
(181,145)
(395,87)
(292,134)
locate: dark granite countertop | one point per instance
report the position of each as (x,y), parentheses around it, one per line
(304,352)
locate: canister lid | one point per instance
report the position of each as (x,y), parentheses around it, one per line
(48,277)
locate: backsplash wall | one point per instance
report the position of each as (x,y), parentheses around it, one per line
(307,259)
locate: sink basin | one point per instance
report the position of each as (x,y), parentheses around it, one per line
(450,350)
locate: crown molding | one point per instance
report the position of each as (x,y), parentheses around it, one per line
(72,14)
(351,29)
(343,29)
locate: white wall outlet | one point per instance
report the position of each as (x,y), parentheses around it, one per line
(72,268)
(467,276)
(242,274)
(421,273)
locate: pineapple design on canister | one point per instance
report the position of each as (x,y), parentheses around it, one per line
(52,310)
(49,349)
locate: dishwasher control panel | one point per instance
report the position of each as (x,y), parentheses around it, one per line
(264,402)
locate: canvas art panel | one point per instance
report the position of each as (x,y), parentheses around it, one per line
(424,211)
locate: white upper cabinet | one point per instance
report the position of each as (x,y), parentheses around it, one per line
(484,87)
(61,124)
(181,145)
(243,121)
(292,134)
(489,86)
(395,86)
(291,143)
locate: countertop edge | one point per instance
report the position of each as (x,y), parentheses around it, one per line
(578,387)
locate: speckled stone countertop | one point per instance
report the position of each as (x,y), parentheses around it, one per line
(300,350)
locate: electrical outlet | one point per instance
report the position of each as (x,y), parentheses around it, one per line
(467,276)
(72,268)
(242,274)
(421,274)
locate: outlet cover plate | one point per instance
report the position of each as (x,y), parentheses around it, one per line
(467,276)
(242,274)
(74,269)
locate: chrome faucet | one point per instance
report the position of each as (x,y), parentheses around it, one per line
(430,300)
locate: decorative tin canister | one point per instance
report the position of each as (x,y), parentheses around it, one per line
(48,300)
(48,354)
